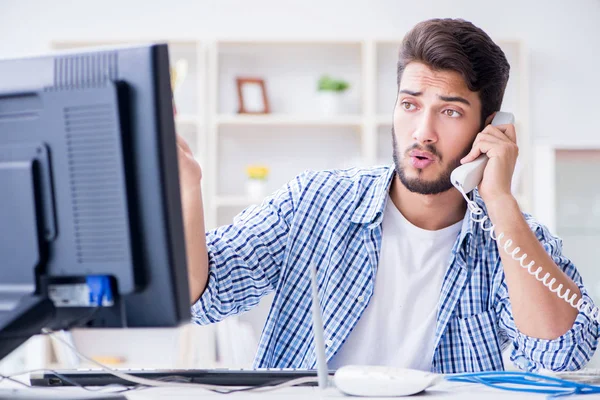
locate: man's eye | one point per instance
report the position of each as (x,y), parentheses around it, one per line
(408,106)
(452,113)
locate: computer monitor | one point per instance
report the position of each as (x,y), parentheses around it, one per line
(91,229)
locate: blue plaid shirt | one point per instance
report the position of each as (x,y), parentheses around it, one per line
(333,220)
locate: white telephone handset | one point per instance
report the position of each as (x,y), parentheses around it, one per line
(469,175)
(465,178)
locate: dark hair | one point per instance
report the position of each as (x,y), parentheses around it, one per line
(458,45)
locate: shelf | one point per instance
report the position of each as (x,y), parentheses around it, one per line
(234,201)
(295,120)
(384,120)
(187,119)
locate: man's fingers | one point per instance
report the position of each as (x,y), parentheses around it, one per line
(183,144)
(481,146)
(506,130)
(473,154)
(492,137)
(497,134)
(180,150)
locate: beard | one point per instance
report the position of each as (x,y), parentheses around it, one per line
(419,185)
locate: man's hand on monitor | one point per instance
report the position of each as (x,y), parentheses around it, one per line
(190,173)
(190,176)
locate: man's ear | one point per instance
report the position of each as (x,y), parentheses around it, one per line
(489,119)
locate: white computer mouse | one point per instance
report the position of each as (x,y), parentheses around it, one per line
(362,380)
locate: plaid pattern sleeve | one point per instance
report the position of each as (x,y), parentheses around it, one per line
(246,256)
(572,350)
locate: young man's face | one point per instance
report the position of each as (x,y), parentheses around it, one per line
(436,119)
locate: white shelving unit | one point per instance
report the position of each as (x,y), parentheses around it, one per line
(296,136)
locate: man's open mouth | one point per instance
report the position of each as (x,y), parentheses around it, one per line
(421,155)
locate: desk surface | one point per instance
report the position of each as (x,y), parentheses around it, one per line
(446,390)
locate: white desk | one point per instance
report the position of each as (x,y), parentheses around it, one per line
(445,390)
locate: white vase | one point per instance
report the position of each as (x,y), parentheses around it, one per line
(331,103)
(256,189)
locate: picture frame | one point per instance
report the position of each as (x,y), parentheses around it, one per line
(252,96)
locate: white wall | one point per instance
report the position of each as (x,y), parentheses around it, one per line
(563,36)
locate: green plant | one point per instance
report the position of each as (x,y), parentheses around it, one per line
(335,85)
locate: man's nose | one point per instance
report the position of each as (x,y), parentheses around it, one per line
(425,132)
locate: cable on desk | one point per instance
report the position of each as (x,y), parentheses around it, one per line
(526,382)
(11,378)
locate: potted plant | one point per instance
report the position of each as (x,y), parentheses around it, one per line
(330,92)
(257,181)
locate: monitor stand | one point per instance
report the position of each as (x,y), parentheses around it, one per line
(22,318)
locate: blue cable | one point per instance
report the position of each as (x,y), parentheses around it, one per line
(528,382)
(558,387)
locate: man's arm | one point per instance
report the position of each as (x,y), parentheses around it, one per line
(195,240)
(570,351)
(232,267)
(190,176)
(546,331)
(537,311)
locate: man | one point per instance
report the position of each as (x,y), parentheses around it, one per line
(406,277)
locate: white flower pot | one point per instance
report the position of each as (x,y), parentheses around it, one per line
(256,189)
(331,103)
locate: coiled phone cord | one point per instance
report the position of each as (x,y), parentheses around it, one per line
(478,215)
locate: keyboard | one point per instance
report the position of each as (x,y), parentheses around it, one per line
(222,377)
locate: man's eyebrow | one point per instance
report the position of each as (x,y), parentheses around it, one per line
(444,98)
(455,98)
(410,92)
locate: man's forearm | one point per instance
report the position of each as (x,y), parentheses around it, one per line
(537,311)
(195,238)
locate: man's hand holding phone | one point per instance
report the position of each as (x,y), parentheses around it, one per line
(499,143)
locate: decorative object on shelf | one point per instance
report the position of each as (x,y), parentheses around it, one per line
(331,94)
(257,181)
(252,96)
(178,74)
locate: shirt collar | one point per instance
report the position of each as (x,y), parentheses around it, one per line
(370,206)
(371,203)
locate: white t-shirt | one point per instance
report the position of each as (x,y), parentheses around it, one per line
(398,326)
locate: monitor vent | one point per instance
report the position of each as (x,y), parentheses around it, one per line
(85,69)
(97,192)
